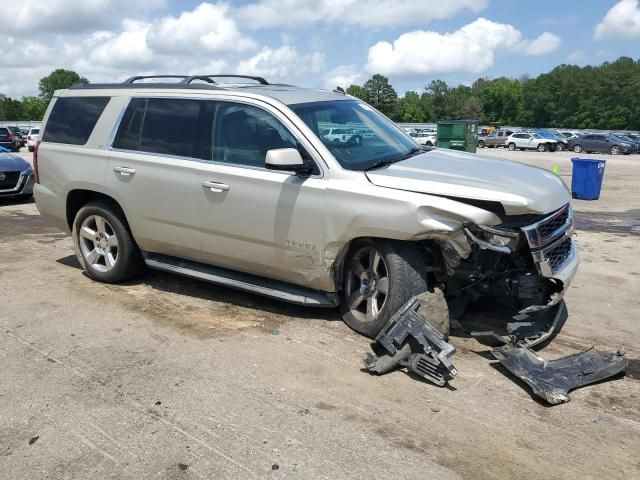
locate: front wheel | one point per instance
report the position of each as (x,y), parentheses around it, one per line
(615,150)
(380,276)
(103,244)
(542,147)
(512,146)
(560,147)
(481,144)
(577,148)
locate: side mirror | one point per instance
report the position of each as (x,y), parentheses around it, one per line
(286,159)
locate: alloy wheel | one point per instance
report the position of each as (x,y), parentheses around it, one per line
(367,284)
(98,243)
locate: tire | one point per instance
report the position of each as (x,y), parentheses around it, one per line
(560,147)
(402,266)
(577,148)
(481,144)
(614,150)
(512,146)
(428,144)
(542,147)
(105,260)
(30,149)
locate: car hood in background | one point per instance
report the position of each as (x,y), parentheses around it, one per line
(520,189)
(10,162)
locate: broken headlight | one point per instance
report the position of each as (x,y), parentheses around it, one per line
(492,238)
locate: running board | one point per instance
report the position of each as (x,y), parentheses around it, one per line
(242,281)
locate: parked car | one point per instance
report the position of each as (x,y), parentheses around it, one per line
(9,140)
(238,186)
(629,138)
(33,135)
(16,177)
(17,133)
(602,143)
(530,141)
(424,137)
(496,138)
(562,143)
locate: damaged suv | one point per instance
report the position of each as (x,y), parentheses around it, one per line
(234,184)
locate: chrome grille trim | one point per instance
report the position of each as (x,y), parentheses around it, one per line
(548,229)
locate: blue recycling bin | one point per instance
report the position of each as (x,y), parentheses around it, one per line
(586,179)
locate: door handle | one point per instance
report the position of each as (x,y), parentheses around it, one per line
(124,171)
(216,186)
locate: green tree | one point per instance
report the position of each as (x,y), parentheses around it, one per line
(382,95)
(33,108)
(10,109)
(411,108)
(358,92)
(56,80)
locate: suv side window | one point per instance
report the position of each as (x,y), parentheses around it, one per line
(243,134)
(180,127)
(128,135)
(73,118)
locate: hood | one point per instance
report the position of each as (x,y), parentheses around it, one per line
(520,189)
(10,162)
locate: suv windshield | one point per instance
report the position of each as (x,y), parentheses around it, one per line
(366,139)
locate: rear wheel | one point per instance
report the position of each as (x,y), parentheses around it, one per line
(614,150)
(542,147)
(481,144)
(512,146)
(103,244)
(379,277)
(560,147)
(577,148)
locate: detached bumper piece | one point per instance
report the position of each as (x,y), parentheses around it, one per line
(410,341)
(552,380)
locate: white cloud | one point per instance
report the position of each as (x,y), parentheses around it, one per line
(366,13)
(471,49)
(576,57)
(207,27)
(282,62)
(67,16)
(621,21)
(343,76)
(127,49)
(545,43)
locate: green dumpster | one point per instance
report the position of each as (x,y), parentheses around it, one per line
(458,135)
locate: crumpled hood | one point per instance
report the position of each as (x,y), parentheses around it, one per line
(10,162)
(520,189)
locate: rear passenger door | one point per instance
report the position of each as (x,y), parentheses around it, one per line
(256,220)
(152,171)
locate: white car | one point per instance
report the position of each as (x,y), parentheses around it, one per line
(336,134)
(424,138)
(32,138)
(530,141)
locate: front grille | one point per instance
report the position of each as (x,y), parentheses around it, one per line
(548,227)
(558,253)
(8,180)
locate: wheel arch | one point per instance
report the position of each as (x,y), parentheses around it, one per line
(79,197)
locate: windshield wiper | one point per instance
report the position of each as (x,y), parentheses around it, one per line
(388,161)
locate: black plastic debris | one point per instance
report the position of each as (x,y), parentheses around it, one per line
(528,330)
(409,340)
(552,380)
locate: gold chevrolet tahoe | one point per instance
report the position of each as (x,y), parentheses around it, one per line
(236,181)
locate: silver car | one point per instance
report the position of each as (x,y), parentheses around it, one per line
(237,185)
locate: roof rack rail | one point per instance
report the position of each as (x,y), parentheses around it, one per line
(144,77)
(209,78)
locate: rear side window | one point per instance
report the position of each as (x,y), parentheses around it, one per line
(179,127)
(73,118)
(128,136)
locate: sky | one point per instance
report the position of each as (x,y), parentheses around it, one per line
(311,43)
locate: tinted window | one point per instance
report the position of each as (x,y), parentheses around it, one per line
(128,136)
(177,127)
(244,134)
(73,118)
(35,131)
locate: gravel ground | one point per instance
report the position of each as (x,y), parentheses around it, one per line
(166,377)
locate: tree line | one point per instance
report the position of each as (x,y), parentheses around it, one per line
(33,107)
(600,97)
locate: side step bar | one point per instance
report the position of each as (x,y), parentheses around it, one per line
(242,281)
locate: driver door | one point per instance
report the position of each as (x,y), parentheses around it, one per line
(255,220)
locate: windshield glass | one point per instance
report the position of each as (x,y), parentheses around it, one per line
(359,136)
(537,135)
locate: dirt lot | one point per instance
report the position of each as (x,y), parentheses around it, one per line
(170,378)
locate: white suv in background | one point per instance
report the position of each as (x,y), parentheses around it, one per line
(530,141)
(32,138)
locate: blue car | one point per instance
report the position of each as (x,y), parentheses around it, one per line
(16,177)
(563,142)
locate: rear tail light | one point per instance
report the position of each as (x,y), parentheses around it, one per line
(35,161)
(29,137)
